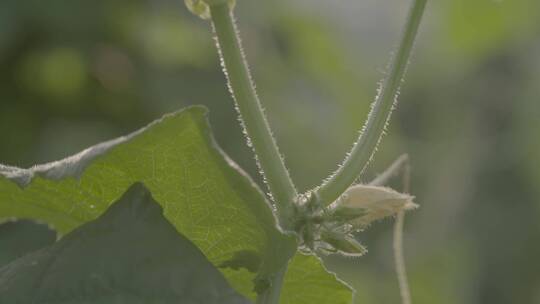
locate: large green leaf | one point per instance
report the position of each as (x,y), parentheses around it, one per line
(130,254)
(18,238)
(204,195)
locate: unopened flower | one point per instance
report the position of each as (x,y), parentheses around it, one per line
(342,243)
(361,205)
(201,8)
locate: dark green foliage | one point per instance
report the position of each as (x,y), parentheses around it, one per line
(18,238)
(130,254)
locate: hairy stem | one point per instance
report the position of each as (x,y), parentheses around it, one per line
(257,130)
(251,113)
(379,115)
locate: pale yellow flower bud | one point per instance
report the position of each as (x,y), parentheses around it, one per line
(201,8)
(372,203)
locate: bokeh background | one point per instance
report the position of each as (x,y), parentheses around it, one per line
(74,73)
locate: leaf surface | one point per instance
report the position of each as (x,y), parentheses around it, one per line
(204,195)
(307,281)
(130,254)
(18,238)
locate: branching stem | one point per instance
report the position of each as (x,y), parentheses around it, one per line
(379,115)
(260,137)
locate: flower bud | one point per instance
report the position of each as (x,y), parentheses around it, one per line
(344,244)
(371,203)
(201,8)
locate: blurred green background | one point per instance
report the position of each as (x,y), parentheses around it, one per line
(74,73)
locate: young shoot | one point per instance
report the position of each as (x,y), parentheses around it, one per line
(333,229)
(325,219)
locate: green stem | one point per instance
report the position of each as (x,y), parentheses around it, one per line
(249,107)
(272,294)
(399,258)
(379,115)
(256,128)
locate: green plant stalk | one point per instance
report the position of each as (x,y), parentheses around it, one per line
(378,118)
(252,116)
(273,293)
(257,130)
(399,258)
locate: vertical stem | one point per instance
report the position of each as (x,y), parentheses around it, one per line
(257,129)
(379,115)
(272,294)
(252,117)
(399,258)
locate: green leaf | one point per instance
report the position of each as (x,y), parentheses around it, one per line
(18,238)
(307,281)
(203,193)
(130,254)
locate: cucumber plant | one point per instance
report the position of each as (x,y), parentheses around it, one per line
(171,178)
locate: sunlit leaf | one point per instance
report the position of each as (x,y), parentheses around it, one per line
(204,195)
